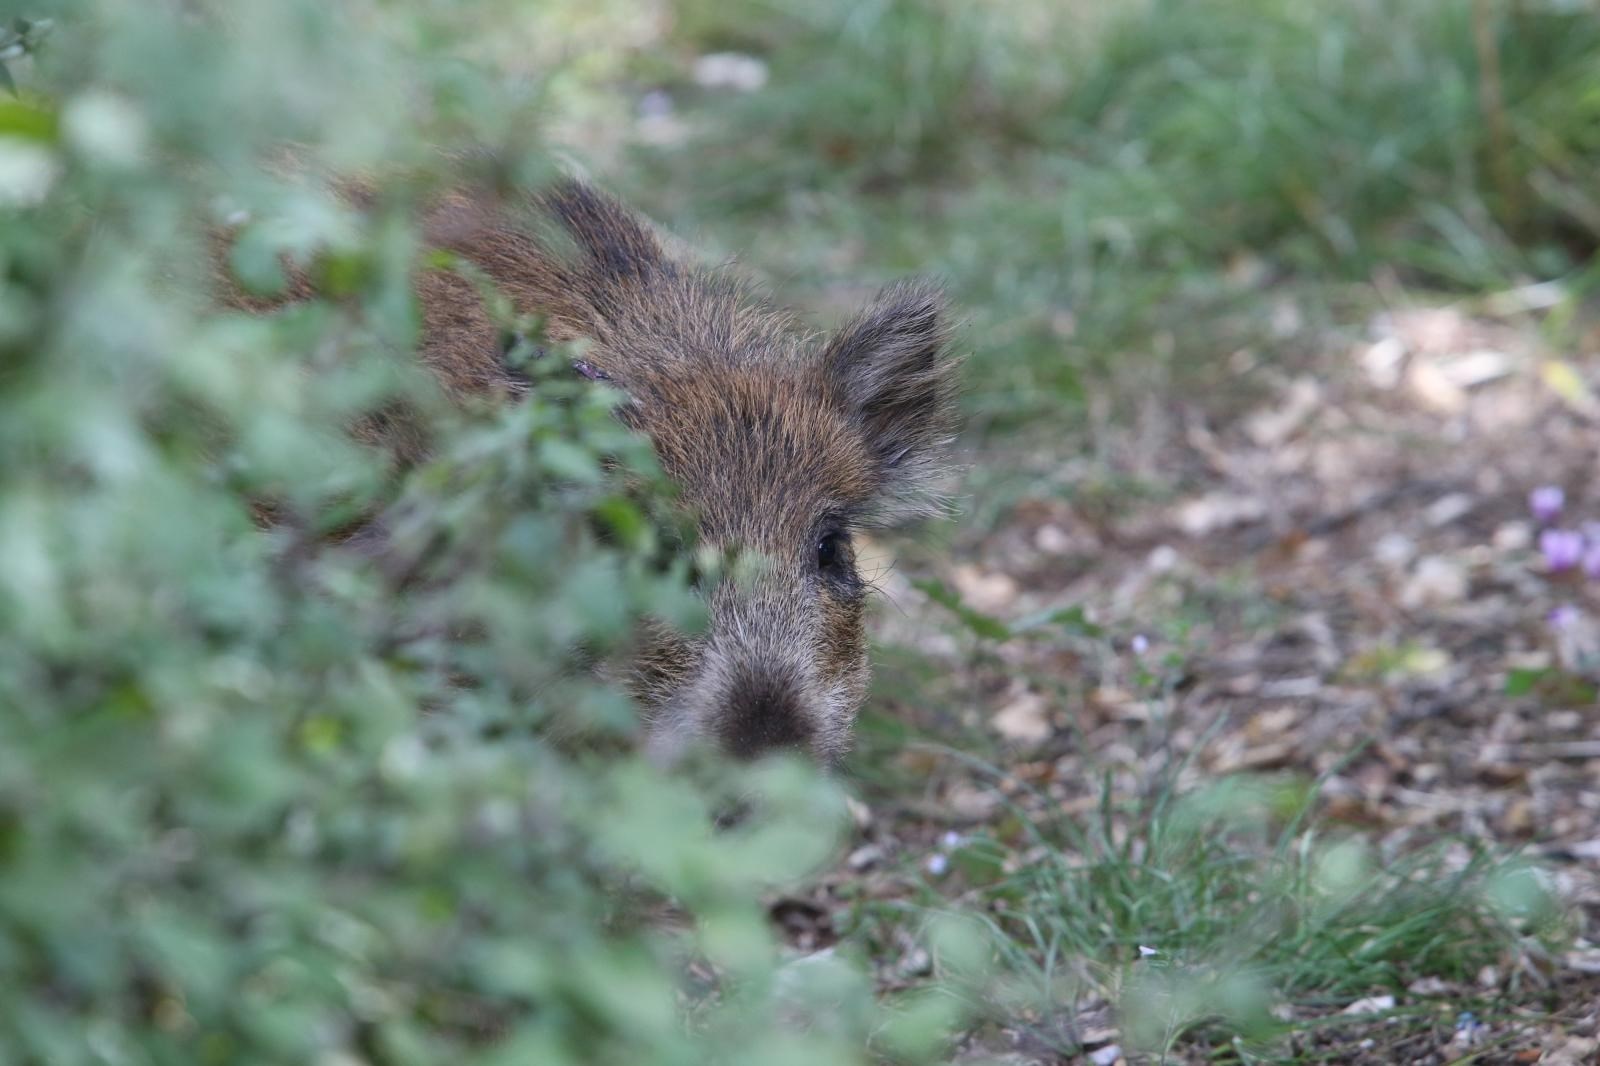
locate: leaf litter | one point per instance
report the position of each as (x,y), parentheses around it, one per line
(1345,584)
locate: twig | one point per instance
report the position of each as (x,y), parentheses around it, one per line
(1492,101)
(1325,525)
(1570,749)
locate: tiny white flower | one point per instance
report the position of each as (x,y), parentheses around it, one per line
(105,128)
(27,171)
(730,70)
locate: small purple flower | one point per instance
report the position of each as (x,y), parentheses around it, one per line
(1563,616)
(655,104)
(1562,548)
(1140,644)
(950,840)
(1591,561)
(1546,502)
(1591,532)
(937,863)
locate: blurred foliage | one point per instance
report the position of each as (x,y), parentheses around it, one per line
(1339,131)
(1108,188)
(17,41)
(266,796)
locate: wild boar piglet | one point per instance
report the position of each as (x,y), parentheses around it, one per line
(784,444)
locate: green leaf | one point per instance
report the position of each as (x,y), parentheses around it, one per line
(1552,686)
(979,623)
(569,461)
(1073,619)
(342,273)
(1523,681)
(623,520)
(24,119)
(257,264)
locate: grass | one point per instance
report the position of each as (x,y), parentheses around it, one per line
(1095,186)
(1219,918)
(1217,913)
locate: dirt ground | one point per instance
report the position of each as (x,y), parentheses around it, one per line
(1341,579)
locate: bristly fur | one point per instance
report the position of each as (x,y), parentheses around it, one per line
(892,364)
(778,444)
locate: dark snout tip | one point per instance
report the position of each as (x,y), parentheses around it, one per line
(763,715)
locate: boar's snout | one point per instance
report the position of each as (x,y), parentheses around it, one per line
(764,712)
(781,667)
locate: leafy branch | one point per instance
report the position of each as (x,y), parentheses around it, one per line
(19,39)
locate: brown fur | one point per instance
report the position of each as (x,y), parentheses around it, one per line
(782,446)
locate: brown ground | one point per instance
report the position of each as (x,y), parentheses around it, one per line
(1338,580)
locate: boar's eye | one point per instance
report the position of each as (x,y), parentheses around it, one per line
(828,551)
(833,552)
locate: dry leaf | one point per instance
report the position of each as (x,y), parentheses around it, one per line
(1025,719)
(1218,510)
(1383,362)
(1475,368)
(1264,757)
(1370,1005)
(1437,581)
(1433,387)
(1274,425)
(989,591)
(1431,330)
(1577,1051)
(1561,378)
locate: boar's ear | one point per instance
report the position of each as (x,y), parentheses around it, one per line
(891,369)
(618,248)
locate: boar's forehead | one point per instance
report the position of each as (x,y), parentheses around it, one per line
(762,453)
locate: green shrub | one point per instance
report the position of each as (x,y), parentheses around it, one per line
(267,798)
